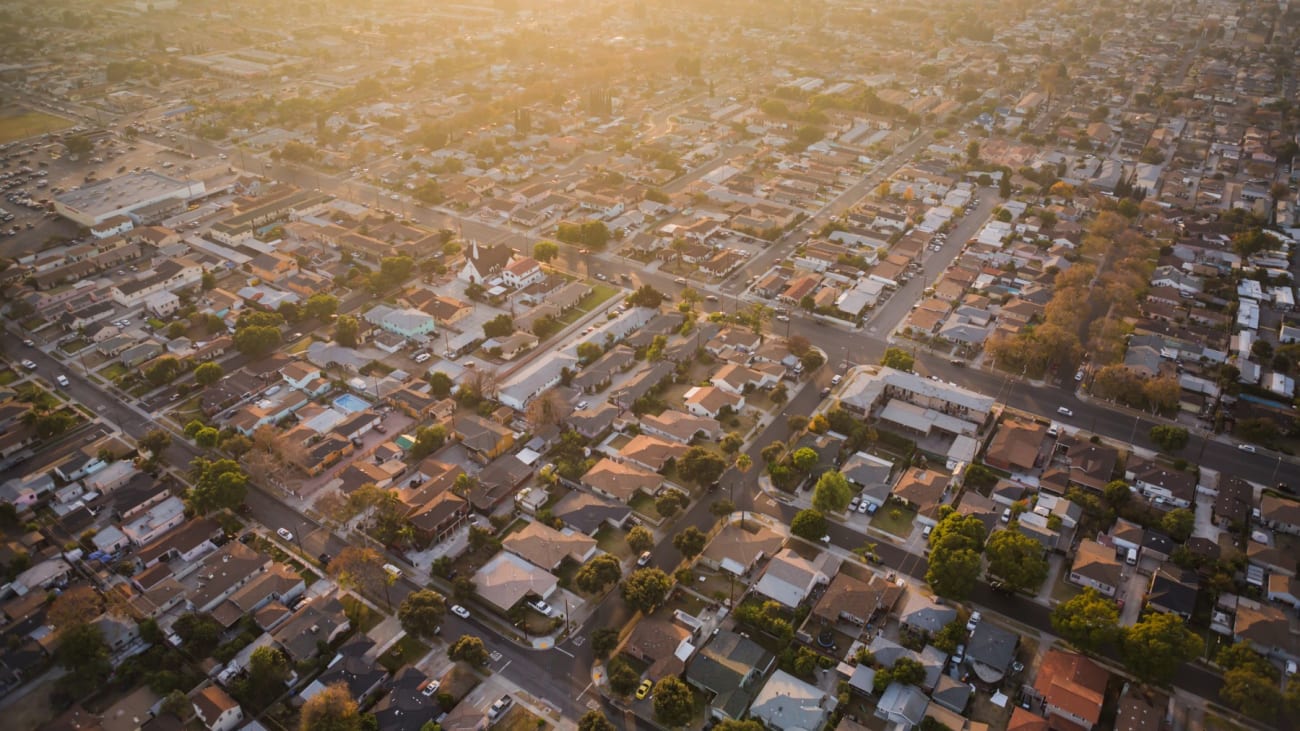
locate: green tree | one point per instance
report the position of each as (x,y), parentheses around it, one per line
(670,503)
(1016,559)
(346,331)
(589,351)
(1252,693)
(701,466)
(690,542)
(428,439)
(646,296)
(199,631)
(595,721)
(1155,647)
(83,651)
(674,703)
(421,612)
(1179,523)
(804,459)
(440,384)
(832,493)
(622,678)
(332,709)
(604,641)
(1170,438)
(162,371)
(1088,620)
(809,524)
(640,539)
(208,373)
(545,251)
(646,589)
(499,326)
(217,484)
(899,359)
(731,724)
(468,649)
(599,572)
(155,442)
(320,306)
(954,568)
(268,671)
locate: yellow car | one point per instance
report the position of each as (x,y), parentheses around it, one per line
(643,690)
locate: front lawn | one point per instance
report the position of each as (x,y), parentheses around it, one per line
(8,376)
(613,541)
(360,614)
(74,346)
(519,718)
(645,505)
(403,652)
(894,518)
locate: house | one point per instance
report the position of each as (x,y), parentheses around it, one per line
(902,706)
(482,263)
(1269,630)
(1173,591)
(620,481)
(1161,484)
(1023,720)
(464,717)
(728,668)
(680,427)
(522,272)
(353,667)
(1141,709)
(924,490)
(217,710)
(786,702)
(951,694)
(1072,688)
(651,452)
(1016,446)
(857,601)
(661,643)
(595,420)
(738,550)
(486,440)
(1280,514)
(506,579)
(990,651)
(438,518)
(405,322)
(1233,503)
(546,547)
(586,513)
(871,473)
(322,620)
(405,707)
(1095,566)
(923,614)
(712,402)
(789,578)
(1083,463)
(1284,589)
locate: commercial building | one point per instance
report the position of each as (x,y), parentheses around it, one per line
(91,205)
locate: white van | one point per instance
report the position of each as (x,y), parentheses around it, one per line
(1132,558)
(393,571)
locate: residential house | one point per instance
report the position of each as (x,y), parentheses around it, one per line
(1280,514)
(680,427)
(1173,591)
(322,620)
(789,578)
(990,651)
(217,710)
(587,513)
(1072,688)
(1095,565)
(486,440)
(857,601)
(1141,709)
(729,668)
(546,547)
(902,706)
(353,667)
(924,614)
(1016,446)
(438,518)
(786,702)
(1162,484)
(662,644)
(406,707)
(924,490)
(1268,629)
(712,402)
(506,579)
(620,481)
(651,452)
(738,550)
(522,272)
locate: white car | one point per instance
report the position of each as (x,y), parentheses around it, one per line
(835,379)
(431,688)
(1247,448)
(973,621)
(542,607)
(29,365)
(286,535)
(1064,411)
(62,380)
(460,611)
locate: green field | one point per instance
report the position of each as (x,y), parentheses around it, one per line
(27,124)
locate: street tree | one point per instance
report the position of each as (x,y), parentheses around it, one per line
(360,569)
(468,649)
(346,331)
(421,612)
(701,466)
(1155,647)
(598,573)
(733,725)
(604,641)
(1088,620)
(332,709)
(690,542)
(595,721)
(674,703)
(155,442)
(208,373)
(968,529)
(898,358)
(832,492)
(954,568)
(216,484)
(84,652)
(645,589)
(670,503)
(1017,559)
(640,539)
(1170,438)
(545,251)
(809,524)
(320,306)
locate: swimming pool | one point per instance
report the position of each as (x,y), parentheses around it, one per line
(351,403)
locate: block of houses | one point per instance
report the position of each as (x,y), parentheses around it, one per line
(1095,566)
(1071,688)
(789,578)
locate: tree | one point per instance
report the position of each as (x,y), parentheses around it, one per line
(670,503)
(162,371)
(809,524)
(595,721)
(646,296)
(332,709)
(622,678)
(646,589)
(898,358)
(832,492)
(603,641)
(1016,559)
(208,373)
(346,330)
(217,485)
(468,649)
(690,542)
(440,384)
(320,306)
(967,530)
(731,443)
(199,631)
(1170,438)
(598,573)
(973,152)
(734,725)
(1155,647)
(155,442)
(78,605)
(1252,693)
(640,539)
(804,459)
(545,251)
(428,439)
(674,704)
(952,572)
(177,704)
(256,341)
(722,508)
(701,466)
(360,569)
(83,651)
(589,351)
(268,671)
(1089,621)
(421,612)
(499,326)
(1179,523)
(78,145)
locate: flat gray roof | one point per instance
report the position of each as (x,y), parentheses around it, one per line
(123,191)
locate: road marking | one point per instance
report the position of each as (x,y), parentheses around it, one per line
(495,655)
(577,641)
(561,649)
(503,667)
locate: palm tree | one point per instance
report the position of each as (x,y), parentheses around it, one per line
(742,464)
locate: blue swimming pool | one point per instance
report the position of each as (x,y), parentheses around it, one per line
(351,403)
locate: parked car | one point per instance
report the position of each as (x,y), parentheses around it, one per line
(643,690)
(542,607)
(286,535)
(973,621)
(643,559)
(460,611)
(431,687)
(28,365)
(499,708)
(1064,411)
(62,380)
